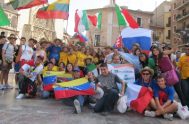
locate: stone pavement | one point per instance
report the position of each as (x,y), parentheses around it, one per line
(50,111)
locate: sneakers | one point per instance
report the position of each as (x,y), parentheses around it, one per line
(77,106)
(149,113)
(20,96)
(168,116)
(2,87)
(7,86)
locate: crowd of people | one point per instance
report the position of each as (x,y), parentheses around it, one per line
(31,59)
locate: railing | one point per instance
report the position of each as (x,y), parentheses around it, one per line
(181,4)
(179,17)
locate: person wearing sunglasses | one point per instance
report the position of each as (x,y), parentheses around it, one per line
(147,80)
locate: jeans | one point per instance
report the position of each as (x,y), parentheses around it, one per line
(69,101)
(107,102)
(185,89)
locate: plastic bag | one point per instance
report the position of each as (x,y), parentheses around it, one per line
(121,104)
(183,112)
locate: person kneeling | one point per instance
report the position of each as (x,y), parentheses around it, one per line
(27,85)
(164,99)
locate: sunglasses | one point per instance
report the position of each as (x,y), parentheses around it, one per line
(145,73)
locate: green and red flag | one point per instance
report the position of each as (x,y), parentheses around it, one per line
(96,20)
(125,18)
(3,18)
(81,21)
(25,4)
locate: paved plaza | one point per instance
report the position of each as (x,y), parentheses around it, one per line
(50,111)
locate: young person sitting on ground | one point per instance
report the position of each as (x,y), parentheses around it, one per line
(107,81)
(164,98)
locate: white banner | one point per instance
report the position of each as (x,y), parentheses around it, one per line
(123,71)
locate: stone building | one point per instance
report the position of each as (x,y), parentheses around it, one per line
(39,28)
(180,22)
(161,23)
(13,17)
(110,30)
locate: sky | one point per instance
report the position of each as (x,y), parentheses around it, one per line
(145,5)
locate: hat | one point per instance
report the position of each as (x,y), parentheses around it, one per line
(76,69)
(148,69)
(12,36)
(87,59)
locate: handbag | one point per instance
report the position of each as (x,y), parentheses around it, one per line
(171,77)
(183,112)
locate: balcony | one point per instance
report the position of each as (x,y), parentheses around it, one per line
(182,4)
(183,16)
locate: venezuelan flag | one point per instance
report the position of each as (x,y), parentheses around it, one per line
(74,88)
(57,10)
(25,4)
(51,77)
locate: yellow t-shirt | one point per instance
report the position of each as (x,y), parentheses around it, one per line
(55,68)
(81,57)
(72,58)
(63,58)
(183,64)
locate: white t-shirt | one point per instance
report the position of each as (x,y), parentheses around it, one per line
(29,70)
(9,51)
(27,52)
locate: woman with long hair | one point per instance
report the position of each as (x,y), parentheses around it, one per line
(164,64)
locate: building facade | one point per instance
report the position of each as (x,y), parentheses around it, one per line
(110,29)
(13,17)
(180,22)
(161,23)
(39,28)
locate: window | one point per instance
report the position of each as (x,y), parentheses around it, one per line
(97,40)
(139,21)
(175,28)
(169,34)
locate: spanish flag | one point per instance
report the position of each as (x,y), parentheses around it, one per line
(74,88)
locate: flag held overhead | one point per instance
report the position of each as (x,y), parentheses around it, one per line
(25,4)
(3,18)
(56,10)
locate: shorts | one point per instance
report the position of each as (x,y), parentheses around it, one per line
(6,67)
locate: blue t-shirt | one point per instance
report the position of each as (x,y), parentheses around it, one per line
(164,94)
(142,83)
(54,52)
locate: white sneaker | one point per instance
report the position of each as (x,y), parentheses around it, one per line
(77,106)
(168,116)
(7,86)
(20,96)
(149,113)
(1,87)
